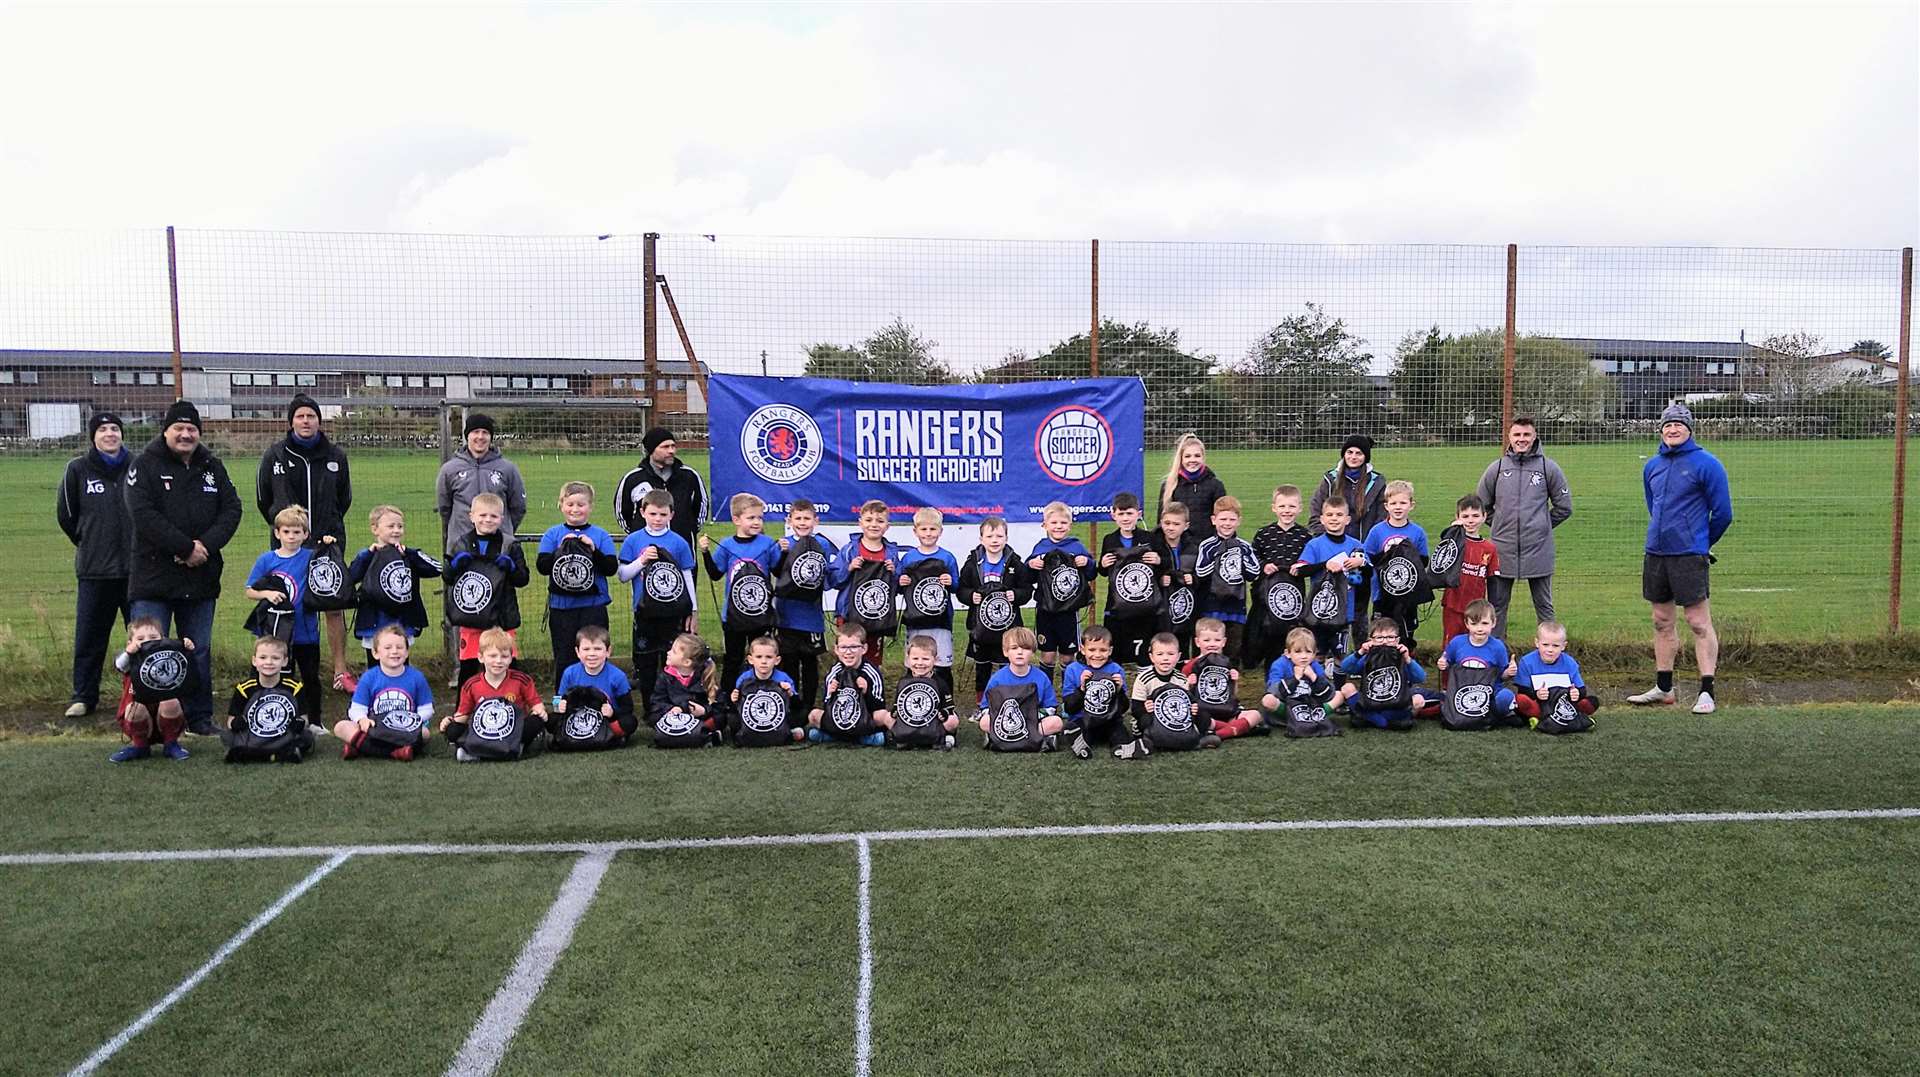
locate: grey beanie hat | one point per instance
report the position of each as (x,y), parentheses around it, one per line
(1677,413)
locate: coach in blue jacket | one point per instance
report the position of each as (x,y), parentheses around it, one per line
(1689,508)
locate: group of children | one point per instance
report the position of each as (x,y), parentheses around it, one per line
(1187,616)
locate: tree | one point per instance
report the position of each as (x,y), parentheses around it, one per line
(1450,386)
(1183,391)
(896,353)
(1793,377)
(1305,380)
(1872,348)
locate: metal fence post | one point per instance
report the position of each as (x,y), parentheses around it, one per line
(1506,365)
(173,301)
(1093,370)
(1901,400)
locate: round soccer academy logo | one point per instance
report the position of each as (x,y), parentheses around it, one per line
(845,711)
(324,577)
(918,704)
(996,613)
(1444,555)
(396,581)
(1010,721)
(573,572)
(583,723)
(163,671)
(809,570)
(1473,700)
(763,712)
(1074,444)
(677,723)
(472,592)
(1326,603)
(750,595)
(492,719)
(1398,576)
(664,582)
(781,443)
(1564,711)
(1173,710)
(1097,699)
(1382,685)
(1230,567)
(269,714)
(1180,606)
(1064,582)
(1214,686)
(1134,581)
(1283,601)
(930,597)
(871,598)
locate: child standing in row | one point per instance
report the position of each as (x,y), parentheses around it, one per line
(388,574)
(1180,551)
(1277,547)
(576,556)
(1333,550)
(870,547)
(1397,528)
(662,607)
(1224,567)
(286,565)
(1057,635)
(748,544)
(801,620)
(1130,632)
(994,583)
(487,543)
(1478,560)
(928,526)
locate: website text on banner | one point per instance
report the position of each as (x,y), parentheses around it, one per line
(968,450)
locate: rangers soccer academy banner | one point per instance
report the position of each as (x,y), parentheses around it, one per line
(968,450)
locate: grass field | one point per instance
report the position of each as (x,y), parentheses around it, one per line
(1806,559)
(1431,945)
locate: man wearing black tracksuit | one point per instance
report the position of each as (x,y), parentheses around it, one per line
(93,514)
(306,469)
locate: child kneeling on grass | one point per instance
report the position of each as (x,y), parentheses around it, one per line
(1547,667)
(1210,637)
(762,700)
(148,710)
(923,715)
(392,706)
(1165,715)
(266,720)
(593,707)
(1022,713)
(853,707)
(682,705)
(1299,695)
(495,717)
(1380,679)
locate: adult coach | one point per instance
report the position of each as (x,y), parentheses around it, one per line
(1354,481)
(306,469)
(1527,496)
(184,510)
(477,468)
(1688,509)
(1192,483)
(662,469)
(93,513)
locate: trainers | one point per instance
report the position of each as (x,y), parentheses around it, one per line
(713,737)
(77,709)
(345,682)
(874,739)
(1050,742)
(946,743)
(1081,749)
(461,755)
(1703,705)
(1653,696)
(1211,740)
(403,754)
(1133,749)
(130,753)
(350,748)
(173,751)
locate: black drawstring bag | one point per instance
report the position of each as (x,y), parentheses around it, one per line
(1279,605)
(1213,688)
(1467,704)
(1327,599)
(1383,681)
(919,713)
(272,618)
(573,571)
(1013,718)
(1445,558)
(1231,566)
(1560,715)
(473,598)
(1403,587)
(871,592)
(1307,718)
(328,586)
(582,728)
(929,602)
(1062,587)
(801,571)
(663,592)
(763,717)
(495,730)
(1133,588)
(390,584)
(269,725)
(1172,719)
(749,597)
(847,710)
(161,669)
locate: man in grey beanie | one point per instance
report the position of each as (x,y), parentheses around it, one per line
(1688,508)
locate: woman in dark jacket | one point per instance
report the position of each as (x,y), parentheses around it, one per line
(1354,481)
(306,469)
(1190,482)
(94,517)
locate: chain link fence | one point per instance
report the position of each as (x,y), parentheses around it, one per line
(1791,361)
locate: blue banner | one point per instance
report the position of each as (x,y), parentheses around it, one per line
(970,451)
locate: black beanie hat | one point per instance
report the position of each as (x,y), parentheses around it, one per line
(1361,442)
(478,420)
(302,400)
(100,419)
(654,437)
(182,411)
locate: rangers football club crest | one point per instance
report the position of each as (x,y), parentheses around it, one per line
(163,671)
(1473,701)
(871,599)
(1098,698)
(1180,606)
(676,723)
(664,582)
(929,597)
(1444,555)
(1173,711)
(995,613)
(750,595)
(493,719)
(1399,575)
(1283,601)
(1063,582)
(763,712)
(1230,569)
(583,723)
(845,710)
(1213,685)
(270,714)
(396,581)
(573,571)
(1010,721)
(1326,603)
(1134,581)
(472,592)
(918,705)
(1383,685)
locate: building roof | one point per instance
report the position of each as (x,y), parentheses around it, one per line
(1616,348)
(291,362)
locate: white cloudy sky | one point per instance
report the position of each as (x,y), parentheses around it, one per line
(1720,125)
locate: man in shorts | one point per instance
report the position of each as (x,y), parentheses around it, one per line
(1689,508)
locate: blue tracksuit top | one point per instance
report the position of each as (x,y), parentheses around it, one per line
(799,615)
(1281,671)
(1323,548)
(912,557)
(759,549)
(602,544)
(1688,504)
(672,547)
(1381,534)
(847,561)
(1004,677)
(1491,654)
(1533,674)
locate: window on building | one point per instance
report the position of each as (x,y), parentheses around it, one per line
(167,378)
(242,379)
(539,383)
(148,377)
(373,381)
(123,377)
(678,385)
(519,383)
(307,379)
(559,383)
(396,381)
(619,383)
(1660,366)
(500,383)
(101,377)
(436,381)
(6,377)
(283,379)
(415,381)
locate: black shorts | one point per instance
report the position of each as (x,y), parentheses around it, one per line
(1678,578)
(1057,632)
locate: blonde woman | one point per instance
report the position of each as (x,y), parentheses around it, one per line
(1191,483)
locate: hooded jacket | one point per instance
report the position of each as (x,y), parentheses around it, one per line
(92,510)
(1688,503)
(682,482)
(462,478)
(316,479)
(1365,499)
(1198,495)
(1527,497)
(169,505)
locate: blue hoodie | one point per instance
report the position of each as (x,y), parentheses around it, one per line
(1688,504)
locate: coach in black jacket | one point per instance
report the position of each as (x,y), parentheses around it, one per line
(662,470)
(184,510)
(306,469)
(93,514)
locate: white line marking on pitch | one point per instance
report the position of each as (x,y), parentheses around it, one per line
(112,1047)
(863,998)
(487,1044)
(848,837)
